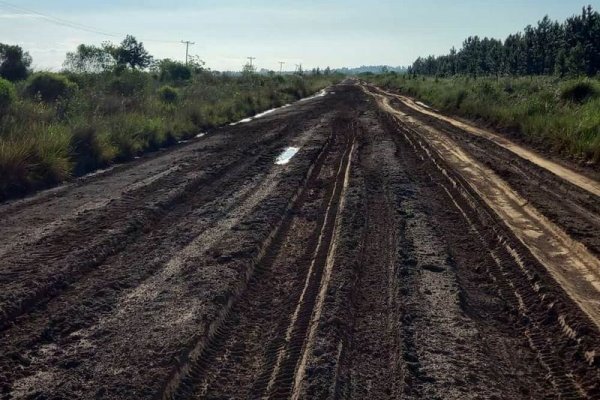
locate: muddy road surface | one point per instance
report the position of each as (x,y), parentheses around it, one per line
(399,254)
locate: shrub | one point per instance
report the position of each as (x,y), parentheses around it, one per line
(50,87)
(7,94)
(168,94)
(580,91)
(174,71)
(128,83)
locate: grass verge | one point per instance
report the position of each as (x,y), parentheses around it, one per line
(552,114)
(62,125)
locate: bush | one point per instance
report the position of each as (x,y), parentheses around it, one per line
(168,94)
(50,87)
(580,92)
(128,83)
(174,71)
(7,94)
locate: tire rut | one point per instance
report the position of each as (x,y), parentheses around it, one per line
(103,233)
(550,321)
(255,314)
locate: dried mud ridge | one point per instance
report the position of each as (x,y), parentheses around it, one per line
(369,266)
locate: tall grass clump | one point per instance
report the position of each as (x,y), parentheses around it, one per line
(580,91)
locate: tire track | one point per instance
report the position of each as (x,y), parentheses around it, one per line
(272,370)
(285,374)
(548,326)
(51,336)
(44,269)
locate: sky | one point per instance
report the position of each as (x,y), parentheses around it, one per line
(333,33)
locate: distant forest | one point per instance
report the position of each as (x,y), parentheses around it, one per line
(375,69)
(568,48)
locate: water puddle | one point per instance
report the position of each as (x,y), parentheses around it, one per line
(423,104)
(200,134)
(322,93)
(262,114)
(287,155)
(242,121)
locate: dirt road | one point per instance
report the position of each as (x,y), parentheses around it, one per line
(398,254)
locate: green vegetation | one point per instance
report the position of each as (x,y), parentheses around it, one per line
(107,106)
(168,94)
(568,48)
(50,87)
(560,115)
(14,62)
(7,94)
(532,84)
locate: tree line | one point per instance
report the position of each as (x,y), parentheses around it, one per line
(130,54)
(568,48)
(15,63)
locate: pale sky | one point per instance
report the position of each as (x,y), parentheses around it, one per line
(315,33)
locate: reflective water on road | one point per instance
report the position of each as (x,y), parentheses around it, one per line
(287,155)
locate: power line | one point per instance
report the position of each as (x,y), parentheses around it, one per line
(71,24)
(58,21)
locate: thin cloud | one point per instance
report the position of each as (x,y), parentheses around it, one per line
(17,16)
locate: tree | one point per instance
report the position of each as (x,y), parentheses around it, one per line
(89,59)
(132,53)
(14,62)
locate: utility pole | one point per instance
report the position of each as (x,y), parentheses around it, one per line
(251,59)
(187,45)
(281,66)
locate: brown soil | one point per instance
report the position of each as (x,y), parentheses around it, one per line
(366,267)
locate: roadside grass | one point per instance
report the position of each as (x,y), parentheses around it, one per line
(554,114)
(106,118)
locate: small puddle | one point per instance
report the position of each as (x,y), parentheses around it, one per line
(287,155)
(262,114)
(322,93)
(423,104)
(200,134)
